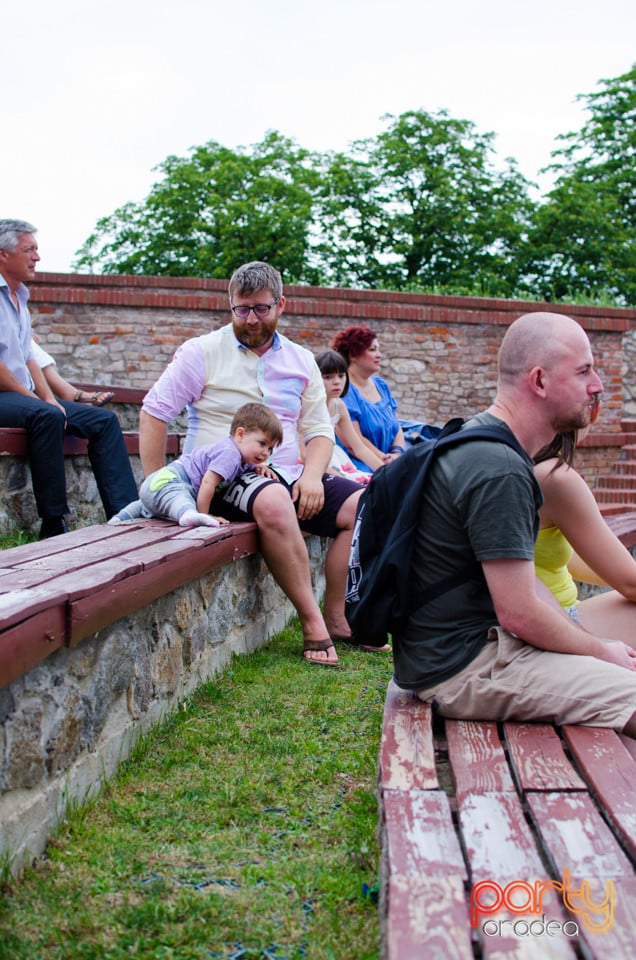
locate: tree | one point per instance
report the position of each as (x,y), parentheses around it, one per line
(584,237)
(213,210)
(423,206)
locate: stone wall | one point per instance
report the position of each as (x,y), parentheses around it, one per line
(67,724)
(17,503)
(439,352)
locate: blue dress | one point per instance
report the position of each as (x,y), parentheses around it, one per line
(378,421)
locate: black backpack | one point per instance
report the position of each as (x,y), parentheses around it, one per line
(379,596)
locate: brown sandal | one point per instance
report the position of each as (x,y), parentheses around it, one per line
(386,648)
(327,644)
(96,399)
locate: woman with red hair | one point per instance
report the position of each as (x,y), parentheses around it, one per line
(369,401)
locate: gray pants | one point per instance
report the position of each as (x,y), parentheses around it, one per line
(168,493)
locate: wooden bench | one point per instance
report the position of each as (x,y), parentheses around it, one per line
(477,803)
(473,815)
(56,592)
(14,441)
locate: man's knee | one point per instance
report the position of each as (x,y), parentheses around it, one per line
(46,416)
(346,515)
(273,506)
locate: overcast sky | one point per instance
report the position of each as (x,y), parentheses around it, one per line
(97,94)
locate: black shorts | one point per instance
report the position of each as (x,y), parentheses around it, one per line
(235,502)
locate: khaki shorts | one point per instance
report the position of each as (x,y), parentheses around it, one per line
(512,680)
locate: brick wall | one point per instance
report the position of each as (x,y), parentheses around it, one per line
(439,352)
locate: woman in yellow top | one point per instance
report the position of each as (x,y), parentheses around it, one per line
(575,543)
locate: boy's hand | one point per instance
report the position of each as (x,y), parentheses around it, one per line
(264,471)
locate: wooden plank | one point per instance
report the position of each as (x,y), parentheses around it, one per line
(421,838)
(497,838)
(623,525)
(611,772)
(427,919)
(616,943)
(58,590)
(25,645)
(477,758)
(508,936)
(538,758)
(13,442)
(95,610)
(407,756)
(502,850)
(16,557)
(576,838)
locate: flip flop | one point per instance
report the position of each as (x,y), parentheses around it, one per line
(95,399)
(387,648)
(99,399)
(319,645)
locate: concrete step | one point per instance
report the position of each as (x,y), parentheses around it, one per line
(612,509)
(624,467)
(606,495)
(625,481)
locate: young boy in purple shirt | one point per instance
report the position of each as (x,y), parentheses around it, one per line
(183,490)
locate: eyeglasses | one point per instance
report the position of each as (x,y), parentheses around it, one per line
(242,311)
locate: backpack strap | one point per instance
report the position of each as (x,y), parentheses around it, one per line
(450,436)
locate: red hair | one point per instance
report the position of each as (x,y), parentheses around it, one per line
(353,341)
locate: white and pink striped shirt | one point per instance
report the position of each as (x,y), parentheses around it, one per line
(213,375)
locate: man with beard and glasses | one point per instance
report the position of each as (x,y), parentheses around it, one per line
(249,360)
(498,646)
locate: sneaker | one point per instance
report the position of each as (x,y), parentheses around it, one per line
(52,527)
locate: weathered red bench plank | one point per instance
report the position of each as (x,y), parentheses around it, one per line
(575,836)
(477,758)
(407,758)
(14,441)
(611,772)
(422,837)
(61,590)
(497,838)
(543,826)
(428,919)
(22,649)
(538,758)
(187,556)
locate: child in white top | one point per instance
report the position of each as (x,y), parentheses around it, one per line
(183,490)
(333,367)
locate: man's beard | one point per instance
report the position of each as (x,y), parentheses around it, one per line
(256,336)
(574,422)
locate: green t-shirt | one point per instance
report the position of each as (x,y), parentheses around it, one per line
(480,503)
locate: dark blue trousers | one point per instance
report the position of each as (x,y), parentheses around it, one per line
(45,427)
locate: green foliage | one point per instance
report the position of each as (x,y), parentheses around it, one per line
(210,212)
(584,235)
(425,205)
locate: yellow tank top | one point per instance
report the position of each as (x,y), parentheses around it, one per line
(551,554)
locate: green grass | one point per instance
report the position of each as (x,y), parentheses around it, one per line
(244,827)
(16,539)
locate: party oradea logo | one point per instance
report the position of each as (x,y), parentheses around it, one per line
(521,897)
